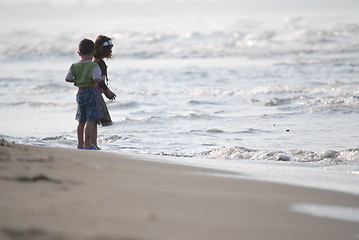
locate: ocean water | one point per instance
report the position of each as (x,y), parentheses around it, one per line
(211,90)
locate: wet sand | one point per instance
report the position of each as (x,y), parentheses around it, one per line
(53,193)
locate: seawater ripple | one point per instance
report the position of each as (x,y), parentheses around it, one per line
(245,89)
(328,157)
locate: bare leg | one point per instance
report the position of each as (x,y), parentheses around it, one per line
(89,128)
(80,135)
(94,136)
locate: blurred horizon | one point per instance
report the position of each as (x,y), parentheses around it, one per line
(129,7)
(180,28)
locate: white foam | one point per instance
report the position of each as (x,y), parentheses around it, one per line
(327,211)
(299,155)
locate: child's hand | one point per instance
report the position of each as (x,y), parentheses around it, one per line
(109,94)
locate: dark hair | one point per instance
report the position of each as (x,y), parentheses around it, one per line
(102,51)
(86,46)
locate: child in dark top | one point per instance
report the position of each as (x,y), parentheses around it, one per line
(103,49)
(85,74)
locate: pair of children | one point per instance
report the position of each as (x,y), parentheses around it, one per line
(89,77)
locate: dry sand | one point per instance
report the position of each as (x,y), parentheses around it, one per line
(51,193)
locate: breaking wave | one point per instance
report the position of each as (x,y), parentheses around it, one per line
(299,155)
(297,36)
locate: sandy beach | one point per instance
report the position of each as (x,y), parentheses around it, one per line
(53,193)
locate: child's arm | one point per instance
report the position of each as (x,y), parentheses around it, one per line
(109,94)
(69,76)
(96,74)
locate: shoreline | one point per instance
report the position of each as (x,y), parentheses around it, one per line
(55,193)
(300,174)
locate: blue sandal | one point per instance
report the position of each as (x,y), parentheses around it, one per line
(93,147)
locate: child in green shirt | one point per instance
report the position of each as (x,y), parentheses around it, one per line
(85,74)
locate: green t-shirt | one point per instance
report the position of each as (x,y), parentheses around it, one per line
(82,72)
